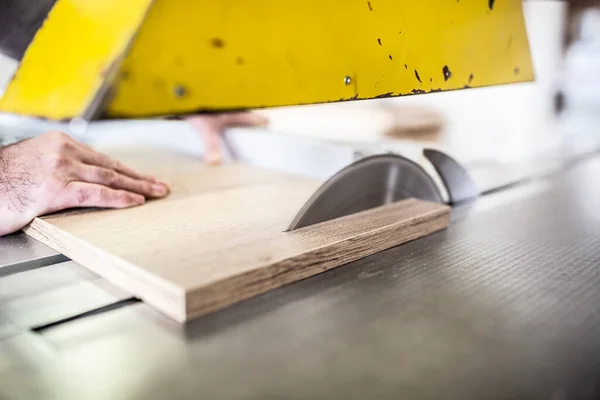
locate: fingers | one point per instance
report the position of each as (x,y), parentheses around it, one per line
(89,156)
(115,180)
(210,127)
(67,145)
(83,194)
(243,119)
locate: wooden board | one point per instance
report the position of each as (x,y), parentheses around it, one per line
(218,238)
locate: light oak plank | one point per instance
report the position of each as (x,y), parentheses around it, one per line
(292,256)
(222,241)
(187,175)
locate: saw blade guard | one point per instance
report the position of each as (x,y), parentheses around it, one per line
(368,183)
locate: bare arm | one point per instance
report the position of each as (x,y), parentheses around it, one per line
(53,172)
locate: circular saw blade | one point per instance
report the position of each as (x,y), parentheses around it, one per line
(368,183)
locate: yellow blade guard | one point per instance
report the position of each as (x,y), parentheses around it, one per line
(141,58)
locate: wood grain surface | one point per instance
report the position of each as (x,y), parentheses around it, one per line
(219,237)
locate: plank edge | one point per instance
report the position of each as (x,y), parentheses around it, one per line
(161,294)
(271,277)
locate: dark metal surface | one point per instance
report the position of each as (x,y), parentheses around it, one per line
(368,183)
(7,328)
(52,305)
(20,253)
(458,182)
(19,21)
(502,305)
(45,295)
(43,279)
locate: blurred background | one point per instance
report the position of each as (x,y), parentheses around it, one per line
(503,124)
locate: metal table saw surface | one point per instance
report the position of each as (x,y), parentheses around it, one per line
(504,304)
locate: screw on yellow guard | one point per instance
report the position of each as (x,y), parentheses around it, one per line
(194,55)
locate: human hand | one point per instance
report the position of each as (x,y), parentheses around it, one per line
(53,172)
(211,126)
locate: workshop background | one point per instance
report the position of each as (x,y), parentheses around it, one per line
(510,311)
(502,124)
